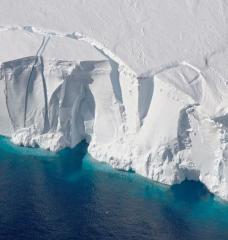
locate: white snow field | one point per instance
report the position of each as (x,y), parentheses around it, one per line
(145,82)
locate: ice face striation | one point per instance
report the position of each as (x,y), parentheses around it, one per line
(168,126)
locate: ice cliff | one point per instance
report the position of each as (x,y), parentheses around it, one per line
(161,112)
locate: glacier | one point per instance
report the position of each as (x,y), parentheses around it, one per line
(149,97)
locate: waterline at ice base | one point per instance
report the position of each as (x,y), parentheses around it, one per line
(67,194)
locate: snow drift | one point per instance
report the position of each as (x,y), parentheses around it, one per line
(166,120)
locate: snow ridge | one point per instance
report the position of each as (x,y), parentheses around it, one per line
(74,35)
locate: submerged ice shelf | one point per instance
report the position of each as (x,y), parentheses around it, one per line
(58,89)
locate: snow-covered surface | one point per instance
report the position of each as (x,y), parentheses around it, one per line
(144,82)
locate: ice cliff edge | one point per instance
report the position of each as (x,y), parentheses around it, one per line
(58,89)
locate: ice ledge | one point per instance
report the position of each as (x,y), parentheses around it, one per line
(167,126)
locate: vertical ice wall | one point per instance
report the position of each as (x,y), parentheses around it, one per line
(63,98)
(167,126)
(25,95)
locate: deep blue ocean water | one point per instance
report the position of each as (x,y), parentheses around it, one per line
(70,196)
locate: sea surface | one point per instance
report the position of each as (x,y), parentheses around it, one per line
(71,196)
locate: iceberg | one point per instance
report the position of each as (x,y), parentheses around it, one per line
(156,105)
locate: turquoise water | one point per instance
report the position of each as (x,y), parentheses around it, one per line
(71,196)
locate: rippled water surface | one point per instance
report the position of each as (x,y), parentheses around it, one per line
(71,196)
